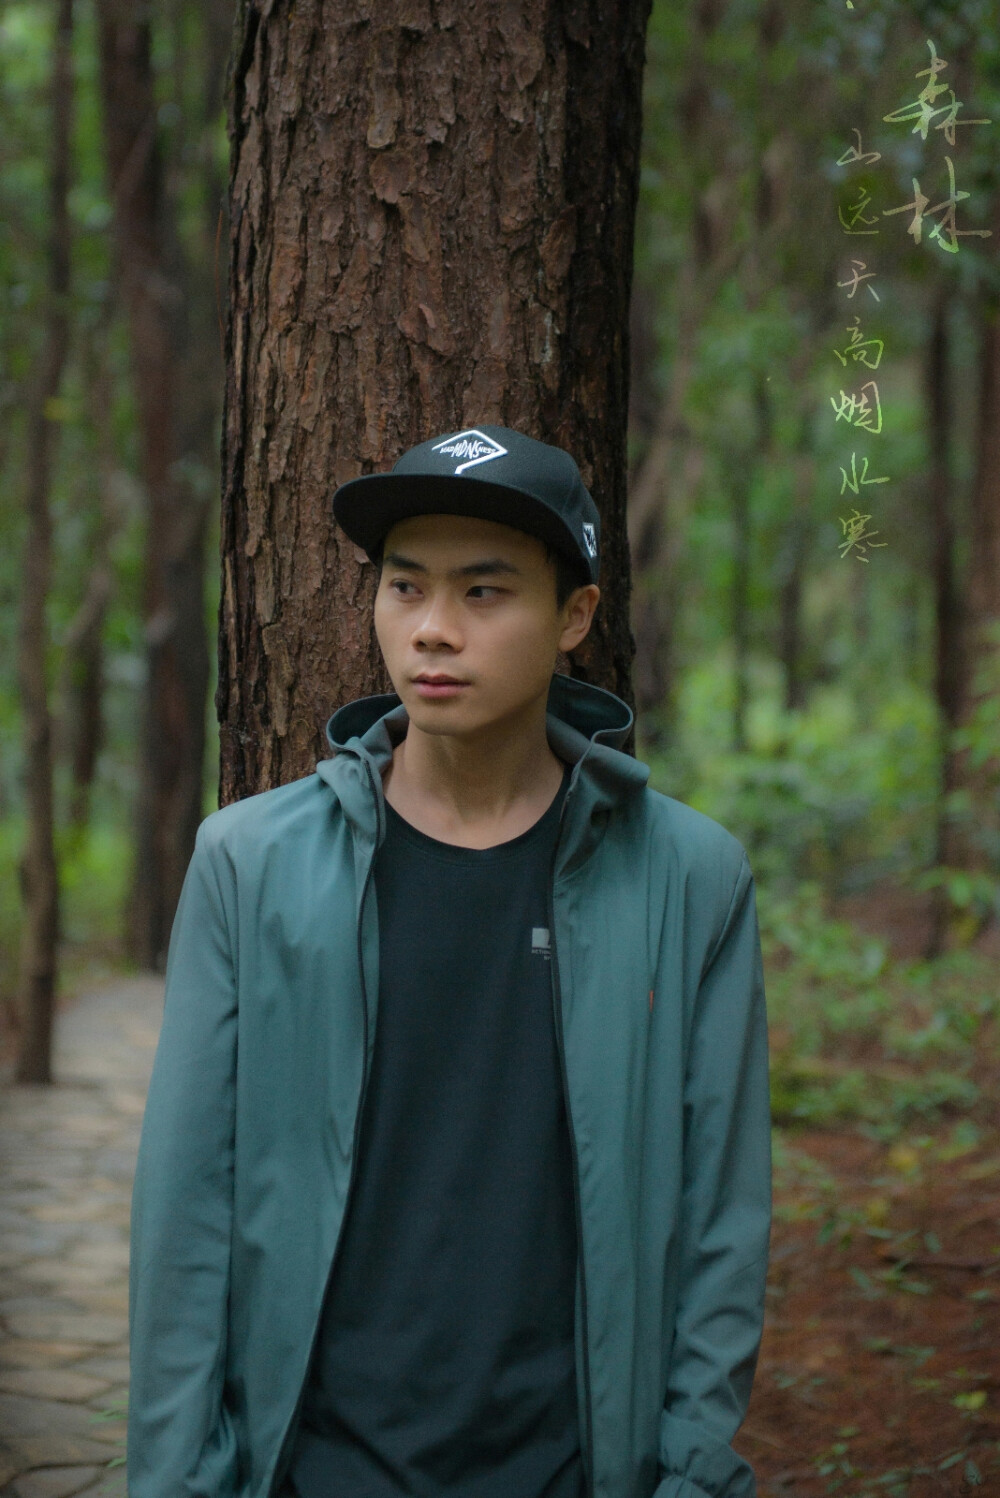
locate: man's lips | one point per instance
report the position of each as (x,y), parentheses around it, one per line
(433,685)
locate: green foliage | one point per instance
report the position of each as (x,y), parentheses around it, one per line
(825,798)
(835,792)
(857,1037)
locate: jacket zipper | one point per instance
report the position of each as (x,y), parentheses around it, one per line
(560,1046)
(283,1463)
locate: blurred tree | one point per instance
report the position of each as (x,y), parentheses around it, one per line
(949,664)
(970,837)
(39,872)
(82,672)
(175,367)
(432,225)
(965,554)
(664,477)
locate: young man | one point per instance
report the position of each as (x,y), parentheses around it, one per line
(454,1176)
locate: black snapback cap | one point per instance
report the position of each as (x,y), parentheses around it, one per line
(489,471)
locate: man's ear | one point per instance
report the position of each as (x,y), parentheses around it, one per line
(578,615)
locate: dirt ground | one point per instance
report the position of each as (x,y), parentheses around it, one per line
(880,1365)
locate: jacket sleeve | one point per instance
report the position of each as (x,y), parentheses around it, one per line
(725,1221)
(180,1437)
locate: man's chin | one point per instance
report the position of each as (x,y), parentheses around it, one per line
(445,715)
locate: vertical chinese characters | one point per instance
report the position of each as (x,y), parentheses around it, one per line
(923,112)
(861,407)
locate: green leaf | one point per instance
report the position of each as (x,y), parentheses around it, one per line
(972,1401)
(865,1283)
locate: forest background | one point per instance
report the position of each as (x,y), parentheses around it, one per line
(826,686)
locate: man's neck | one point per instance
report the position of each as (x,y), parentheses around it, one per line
(475,790)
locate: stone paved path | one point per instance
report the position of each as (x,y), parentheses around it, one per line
(67,1154)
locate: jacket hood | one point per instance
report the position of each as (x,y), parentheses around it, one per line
(585,725)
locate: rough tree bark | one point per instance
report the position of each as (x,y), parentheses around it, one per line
(173,728)
(432,210)
(39,871)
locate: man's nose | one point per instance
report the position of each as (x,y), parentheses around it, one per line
(438,623)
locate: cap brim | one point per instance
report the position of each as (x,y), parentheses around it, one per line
(369,506)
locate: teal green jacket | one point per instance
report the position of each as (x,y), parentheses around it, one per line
(250,1135)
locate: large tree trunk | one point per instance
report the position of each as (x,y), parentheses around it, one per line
(173,725)
(432,220)
(39,871)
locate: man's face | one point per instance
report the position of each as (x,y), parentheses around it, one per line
(467,621)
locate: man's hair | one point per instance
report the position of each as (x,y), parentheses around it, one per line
(568,575)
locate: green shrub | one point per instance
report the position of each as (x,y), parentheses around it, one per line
(836,792)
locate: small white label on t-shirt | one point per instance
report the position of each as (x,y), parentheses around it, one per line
(540,940)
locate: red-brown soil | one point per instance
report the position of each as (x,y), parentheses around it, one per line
(872,1335)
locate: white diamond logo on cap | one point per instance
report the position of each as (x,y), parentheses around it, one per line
(471,446)
(590,539)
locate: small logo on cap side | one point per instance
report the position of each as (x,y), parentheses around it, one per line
(590,539)
(475,447)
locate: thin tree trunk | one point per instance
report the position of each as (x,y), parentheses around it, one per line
(739,493)
(82,698)
(984,582)
(979,848)
(39,871)
(655,597)
(792,582)
(432,221)
(82,689)
(173,718)
(949,685)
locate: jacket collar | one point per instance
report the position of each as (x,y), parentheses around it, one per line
(586,726)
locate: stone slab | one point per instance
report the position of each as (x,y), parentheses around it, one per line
(68,1156)
(53,1482)
(55,1450)
(52,1383)
(28,1353)
(62,1325)
(104,1365)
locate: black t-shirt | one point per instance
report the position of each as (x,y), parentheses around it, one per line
(445,1357)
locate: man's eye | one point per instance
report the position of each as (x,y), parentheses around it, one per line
(483,590)
(400,583)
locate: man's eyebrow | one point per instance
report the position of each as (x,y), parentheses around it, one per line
(488,567)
